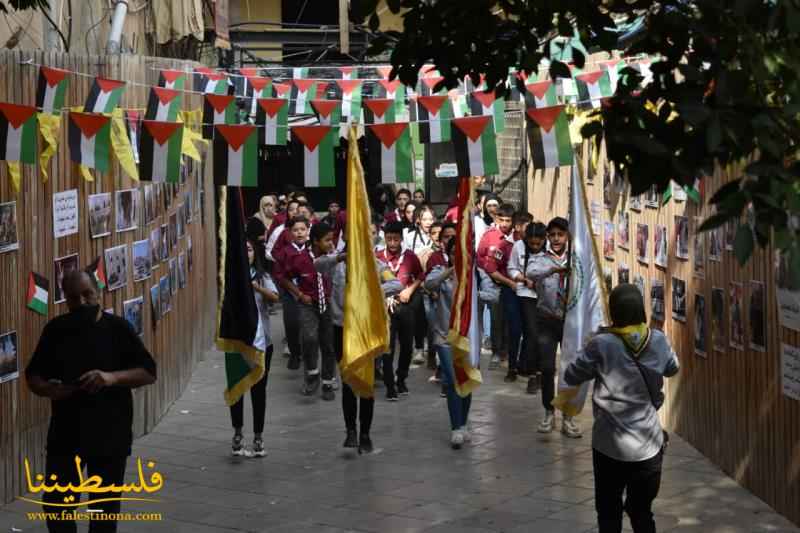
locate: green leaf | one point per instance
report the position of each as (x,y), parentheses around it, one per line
(714,221)
(743,244)
(729,188)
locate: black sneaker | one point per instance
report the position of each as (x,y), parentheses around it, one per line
(311,385)
(365,444)
(327,393)
(443,392)
(391,394)
(402,390)
(533,386)
(511,376)
(294,363)
(352,439)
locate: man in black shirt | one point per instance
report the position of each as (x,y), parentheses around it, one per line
(87,362)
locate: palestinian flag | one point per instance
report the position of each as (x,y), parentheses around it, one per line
(299,73)
(427,84)
(172,79)
(104,96)
(319,169)
(329,114)
(98,271)
(384,72)
(378,111)
(237,312)
(38,287)
(51,89)
(540,94)
(351,97)
(209,81)
(160,151)
(90,140)
(281,90)
(548,135)
(389,151)
(236,155)
(272,119)
(163,104)
(303,91)
(695,191)
(434,114)
(487,103)
(516,81)
(393,90)
(474,142)
(613,68)
(348,73)
(459,104)
(593,87)
(18,133)
(258,87)
(218,109)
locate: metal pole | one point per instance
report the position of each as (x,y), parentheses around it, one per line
(344,28)
(117,23)
(52,41)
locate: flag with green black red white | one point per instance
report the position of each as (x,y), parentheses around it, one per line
(18,133)
(172,79)
(592,88)
(98,272)
(303,91)
(319,169)
(236,155)
(348,73)
(160,151)
(104,95)
(163,104)
(548,135)
(272,119)
(434,114)
(378,111)
(281,90)
(428,84)
(475,146)
(38,293)
(540,94)
(89,138)
(389,150)
(487,103)
(396,91)
(613,68)
(51,89)
(350,97)
(218,109)
(210,81)
(329,114)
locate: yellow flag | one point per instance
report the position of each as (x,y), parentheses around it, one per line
(86,173)
(366,323)
(191,134)
(122,144)
(14,174)
(49,128)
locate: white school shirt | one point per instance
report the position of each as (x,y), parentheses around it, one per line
(516,265)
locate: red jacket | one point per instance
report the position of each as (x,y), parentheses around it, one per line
(494,251)
(299,267)
(405,265)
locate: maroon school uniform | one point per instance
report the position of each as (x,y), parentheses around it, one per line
(393,216)
(283,259)
(299,267)
(494,251)
(404,265)
(437,258)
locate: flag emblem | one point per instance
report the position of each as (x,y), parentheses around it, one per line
(487,103)
(160,151)
(18,134)
(318,164)
(218,109)
(272,118)
(350,96)
(51,88)
(389,149)
(172,79)
(163,104)
(548,134)
(434,114)
(90,140)
(104,95)
(38,287)
(540,94)
(378,111)
(475,146)
(236,155)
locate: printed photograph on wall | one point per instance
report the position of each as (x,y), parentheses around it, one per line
(158,198)
(117,266)
(657,303)
(651,200)
(736,315)
(189,251)
(681,237)
(700,325)
(623,274)
(638,280)
(188,201)
(679,299)
(758,316)
(173,231)
(133,311)
(155,303)
(142,260)
(641,243)
(608,240)
(181,219)
(660,245)
(623,230)
(149,204)
(166,297)
(596,212)
(718,335)
(127,210)
(730,234)
(9,357)
(8,227)
(164,243)
(99,214)
(173,276)
(635,203)
(62,266)
(181,270)
(155,246)
(699,257)
(608,278)
(787,294)
(607,192)
(715,245)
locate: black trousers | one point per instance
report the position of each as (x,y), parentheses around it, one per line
(420,320)
(110,469)
(352,406)
(291,324)
(258,399)
(639,481)
(528,357)
(548,334)
(402,333)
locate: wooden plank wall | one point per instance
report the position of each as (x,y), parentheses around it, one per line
(176,341)
(729,404)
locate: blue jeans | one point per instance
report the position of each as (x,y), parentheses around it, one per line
(513,319)
(457,407)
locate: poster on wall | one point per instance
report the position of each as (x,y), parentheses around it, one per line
(99,214)
(638,280)
(155,246)
(155,304)
(133,311)
(641,242)
(681,237)
(635,203)
(623,230)
(127,205)
(8,227)
(166,298)
(736,315)
(608,278)
(164,243)
(623,273)
(758,317)
(65,213)
(9,357)
(786,294)
(149,204)
(700,325)
(608,240)
(718,319)
(660,246)
(651,200)
(699,257)
(117,266)
(790,371)
(715,245)
(173,276)
(142,260)
(730,234)
(596,211)
(679,299)
(657,304)
(62,267)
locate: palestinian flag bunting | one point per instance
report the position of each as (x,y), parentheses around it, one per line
(540,94)
(389,149)
(163,104)
(218,109)
(160,151)
(272,119)
(104,96)
(303,91)
(329,114)
(549,138)
(258,87)
(613,68)
(474,142)
(98,271)
(351,97)
(172,79)
(318,164)
(378,111)
(210,81)
(593,87)
(281,90)
(487,103)
(434,114)
(236,155)
(348,73)
(90,140)
(18,133)
(38,295)
(51,88)
(394,90)
(427,84)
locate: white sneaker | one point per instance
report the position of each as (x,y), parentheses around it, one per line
(570,428)
(465,431)
(419,358)
(456,439)
(548,423)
